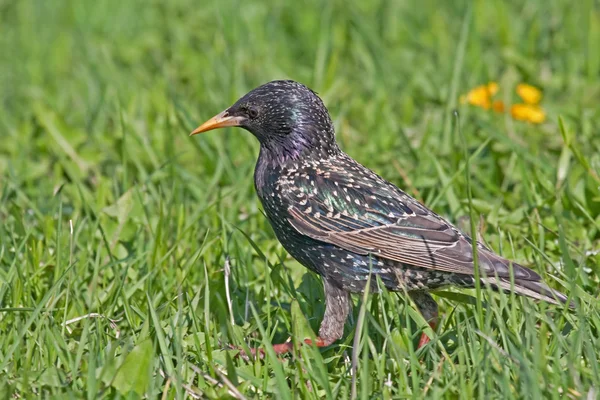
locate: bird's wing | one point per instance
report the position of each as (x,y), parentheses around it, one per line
(353,208)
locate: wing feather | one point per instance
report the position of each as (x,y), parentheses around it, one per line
(371,216)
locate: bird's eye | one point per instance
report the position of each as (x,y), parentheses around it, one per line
(252,113)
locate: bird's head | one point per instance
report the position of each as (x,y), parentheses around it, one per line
(286,117)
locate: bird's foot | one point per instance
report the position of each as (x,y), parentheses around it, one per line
(424,338)
(254,353)
(280,348)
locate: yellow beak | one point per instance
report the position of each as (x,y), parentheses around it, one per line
(221,120)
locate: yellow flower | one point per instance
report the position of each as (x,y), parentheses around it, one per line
(498,106)
(528,112)
(492,88)
(481,95)
(529,94)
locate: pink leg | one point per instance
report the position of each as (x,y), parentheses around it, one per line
(424,338)
(337,307)
(429,309)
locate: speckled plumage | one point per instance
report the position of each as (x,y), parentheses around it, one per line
(343,221)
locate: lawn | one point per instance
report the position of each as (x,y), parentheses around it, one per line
(134,259)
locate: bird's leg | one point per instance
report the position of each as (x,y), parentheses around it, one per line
(337,307)
(429,309)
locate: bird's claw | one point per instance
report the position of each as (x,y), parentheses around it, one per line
(260,353)
(255,353)
(280,349)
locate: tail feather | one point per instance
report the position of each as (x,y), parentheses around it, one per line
(534,289)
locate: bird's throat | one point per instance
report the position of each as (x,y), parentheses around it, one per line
(280,150)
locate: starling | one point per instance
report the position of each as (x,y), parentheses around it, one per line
(344,222)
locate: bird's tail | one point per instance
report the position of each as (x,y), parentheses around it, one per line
(534,289)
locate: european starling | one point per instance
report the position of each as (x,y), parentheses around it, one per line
(344,222)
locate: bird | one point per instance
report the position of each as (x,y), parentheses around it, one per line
(344,222)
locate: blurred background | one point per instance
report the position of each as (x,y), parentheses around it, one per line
(117,228)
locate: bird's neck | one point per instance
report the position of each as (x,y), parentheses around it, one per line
(280,151)
(294,148)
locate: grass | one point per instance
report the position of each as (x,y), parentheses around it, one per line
(122,238)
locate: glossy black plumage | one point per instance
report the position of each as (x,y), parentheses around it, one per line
(342,221)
